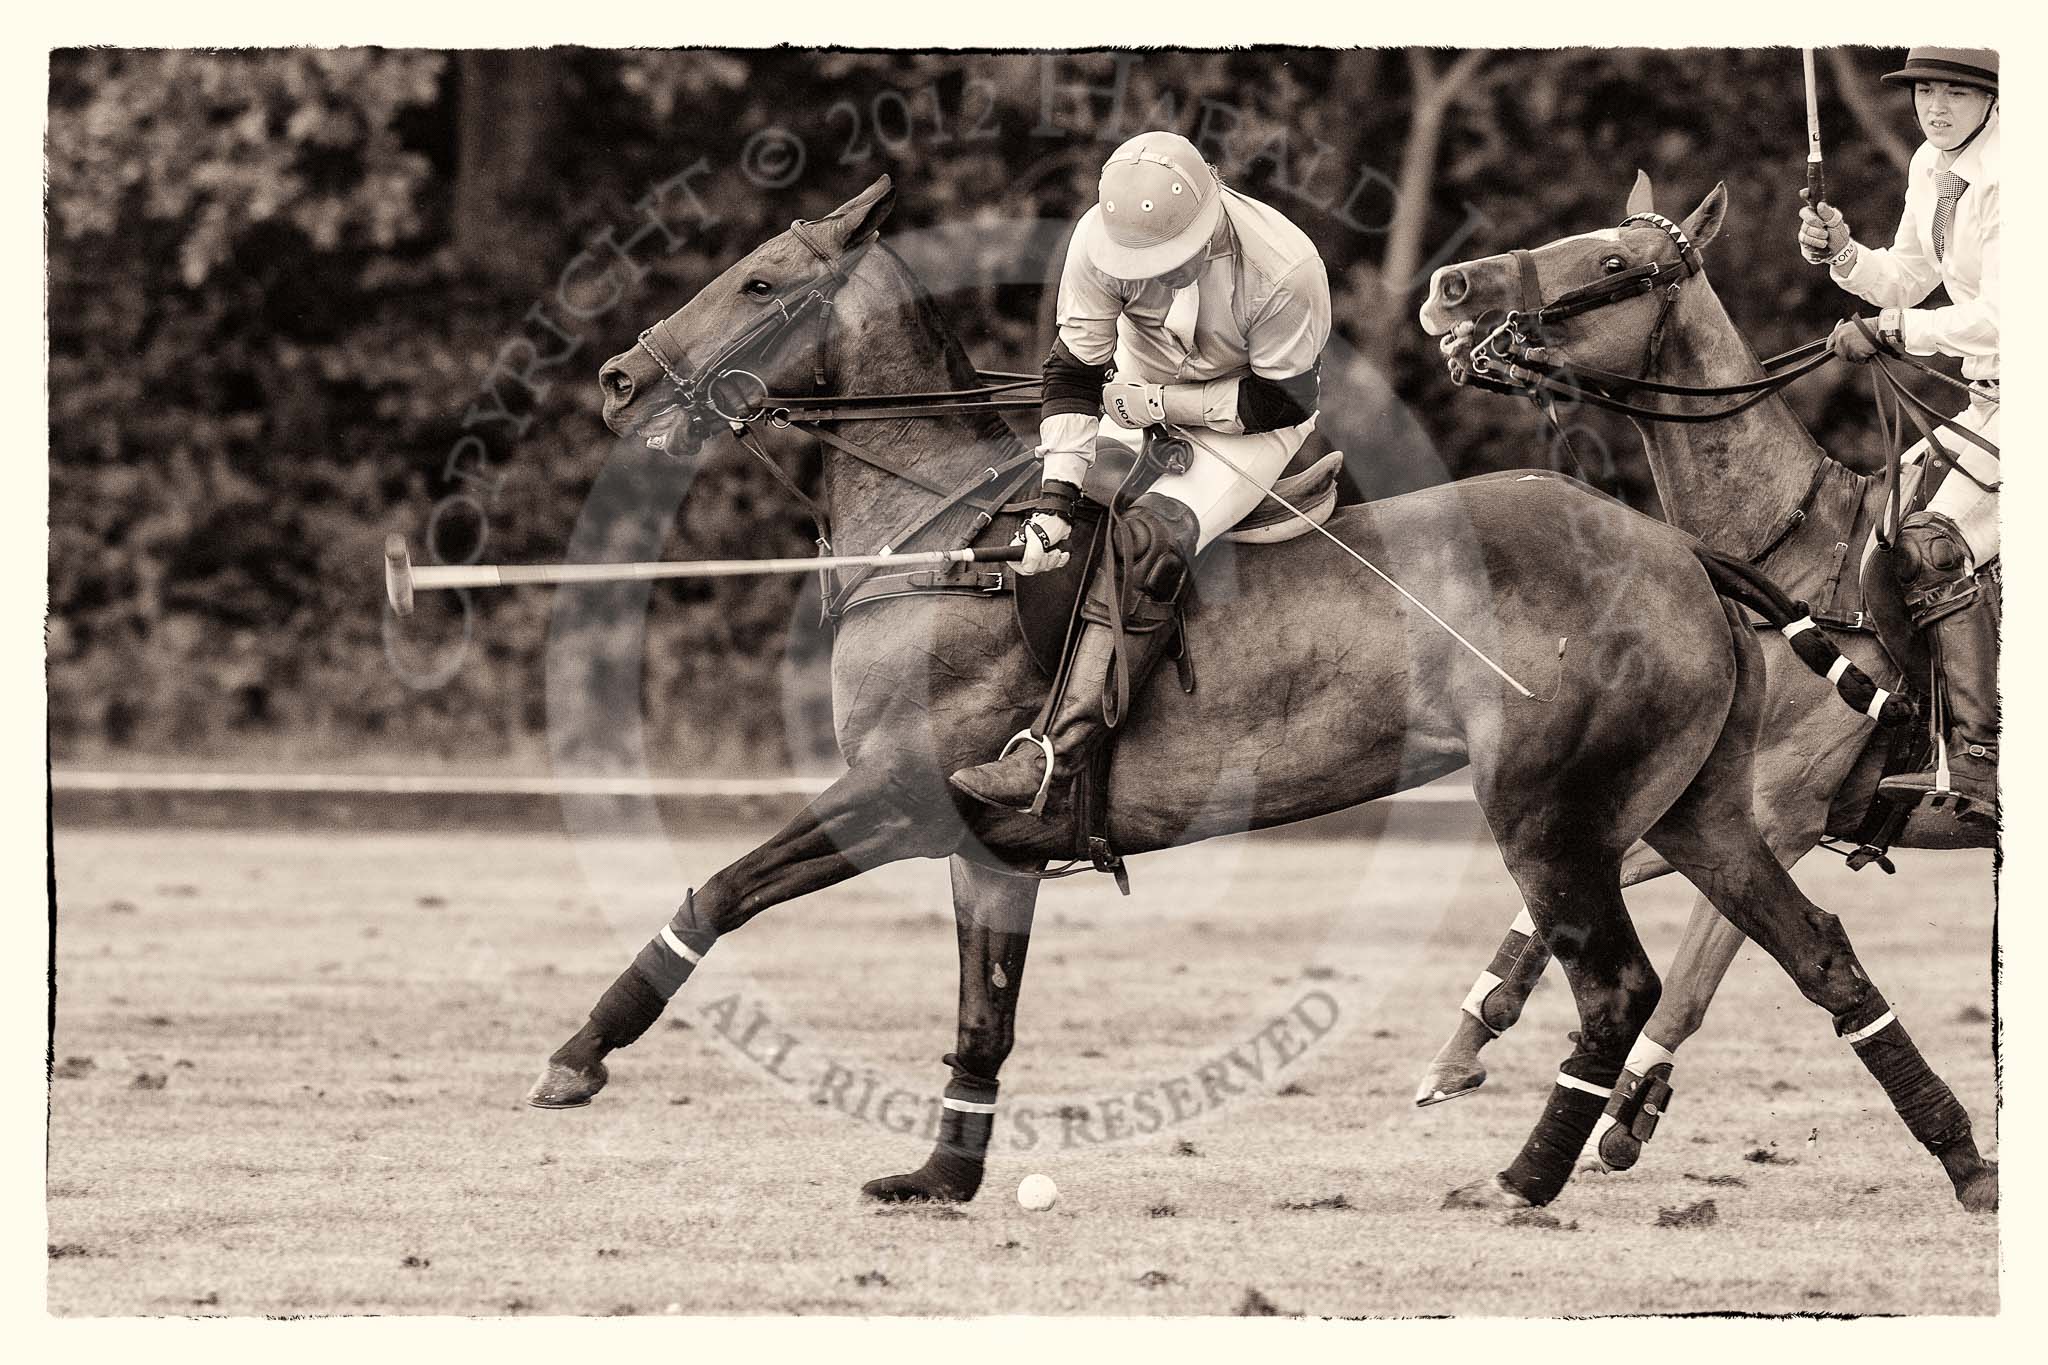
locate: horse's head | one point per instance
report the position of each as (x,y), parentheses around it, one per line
(1594,300)
(758,328)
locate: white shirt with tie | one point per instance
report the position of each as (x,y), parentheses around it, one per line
(1967,266)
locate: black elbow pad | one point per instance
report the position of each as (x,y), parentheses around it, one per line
(1072,385)
(1270,404)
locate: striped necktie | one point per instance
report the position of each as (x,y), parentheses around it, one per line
(1950,187)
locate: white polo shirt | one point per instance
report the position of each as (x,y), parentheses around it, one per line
(1907,272)
(1264,305)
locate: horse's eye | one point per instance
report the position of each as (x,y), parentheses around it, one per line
(759,288)
(1612,264)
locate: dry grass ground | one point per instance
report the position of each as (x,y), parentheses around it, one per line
(289,1071)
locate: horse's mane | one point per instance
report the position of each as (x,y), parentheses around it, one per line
(987,423)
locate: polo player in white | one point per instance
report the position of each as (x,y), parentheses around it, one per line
(1948,237)
(1184,303)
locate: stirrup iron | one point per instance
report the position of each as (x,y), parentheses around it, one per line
(1025,736)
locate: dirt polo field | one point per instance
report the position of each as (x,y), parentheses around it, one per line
(289,1066)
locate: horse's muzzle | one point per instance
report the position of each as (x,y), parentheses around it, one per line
(629,382)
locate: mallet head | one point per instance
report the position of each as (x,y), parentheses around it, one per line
(398,574)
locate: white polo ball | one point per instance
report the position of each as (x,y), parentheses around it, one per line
(1037,1193)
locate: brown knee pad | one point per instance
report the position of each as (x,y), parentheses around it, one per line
(1158,537)
(1933,566)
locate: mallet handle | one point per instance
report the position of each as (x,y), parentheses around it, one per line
(1816,172)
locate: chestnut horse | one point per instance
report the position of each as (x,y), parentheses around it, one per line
(1754,486)
(1319,689)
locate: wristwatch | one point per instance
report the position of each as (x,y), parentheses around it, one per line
(1889,325)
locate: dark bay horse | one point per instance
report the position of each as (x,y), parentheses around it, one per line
(1736,485)
(1320,689)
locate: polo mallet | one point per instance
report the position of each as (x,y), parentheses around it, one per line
(402,579)
(1816,172)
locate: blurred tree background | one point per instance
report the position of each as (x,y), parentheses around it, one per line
(298,299)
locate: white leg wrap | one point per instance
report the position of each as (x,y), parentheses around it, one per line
(1475,999)
(1877,703)
(968,1106)
(1584,1087)
(678,947)
(1524,924)
(1803,623)
(1839,667)
(1648,1053)
(1874,1027)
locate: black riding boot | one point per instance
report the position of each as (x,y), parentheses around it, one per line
(1160,536)
(1966,642)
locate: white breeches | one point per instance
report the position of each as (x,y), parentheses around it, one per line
(1216,495)
(1970,507)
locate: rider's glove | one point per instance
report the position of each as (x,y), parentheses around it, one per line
(1134,405)
(1823,233)
(1851,343)
(1044,534)
(1044,538)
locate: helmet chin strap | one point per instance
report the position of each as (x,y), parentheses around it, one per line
(1982,124)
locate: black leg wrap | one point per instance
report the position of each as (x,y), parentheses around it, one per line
(1932,1113)
(952,1173)
(629,1007)
(1545,1162)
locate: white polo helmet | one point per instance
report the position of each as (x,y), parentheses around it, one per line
(1160,202)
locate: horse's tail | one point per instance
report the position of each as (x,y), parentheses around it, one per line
(1746,584)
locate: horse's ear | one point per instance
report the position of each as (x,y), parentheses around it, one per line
(1639,198)
(1705,224)
(863,214)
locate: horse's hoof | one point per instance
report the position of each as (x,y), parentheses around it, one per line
(1446,1080)
(918,1187)
(562,1086)
(1979,1194)
(1490,1193)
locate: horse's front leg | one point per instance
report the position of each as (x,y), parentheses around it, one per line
(992,913)
(852,826)
(1494,1003)
(1705,953)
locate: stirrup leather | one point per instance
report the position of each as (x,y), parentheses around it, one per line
(1025,736)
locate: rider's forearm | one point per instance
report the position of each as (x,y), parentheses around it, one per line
(1244,404)
(1068,440)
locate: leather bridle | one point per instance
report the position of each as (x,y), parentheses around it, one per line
(1514,358)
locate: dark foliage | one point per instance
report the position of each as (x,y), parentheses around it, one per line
(286,286)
